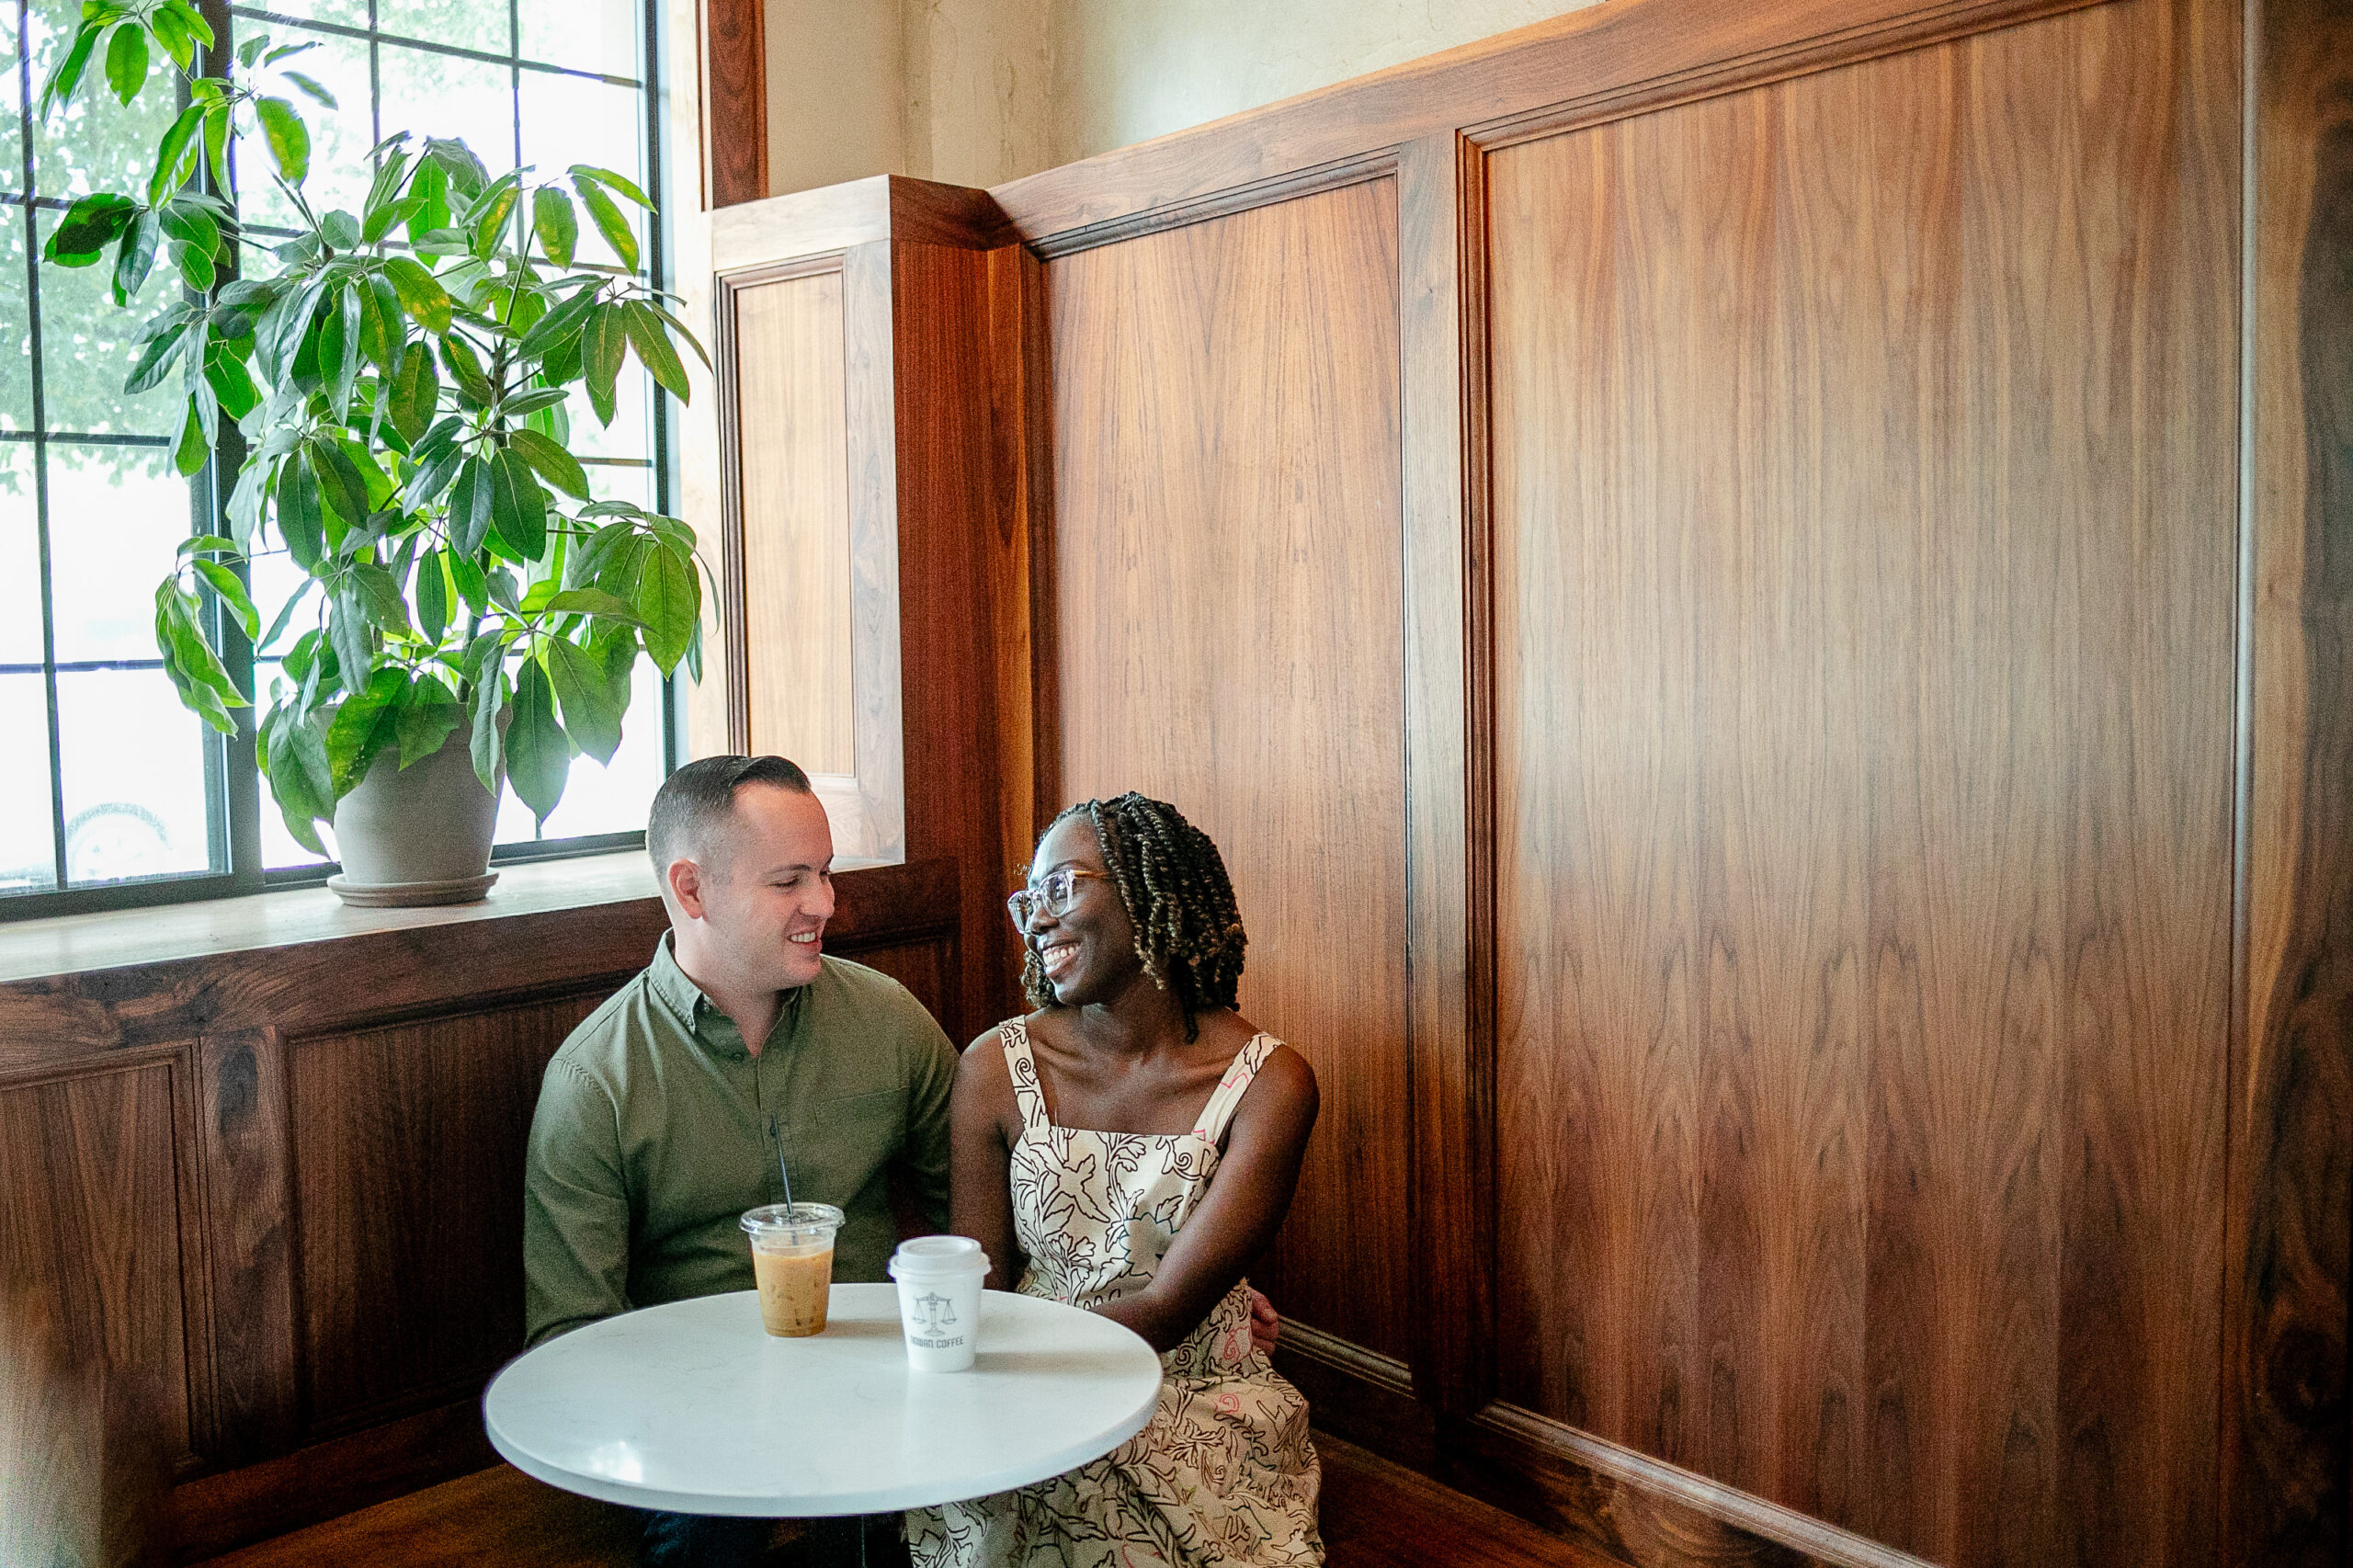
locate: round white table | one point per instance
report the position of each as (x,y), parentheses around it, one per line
(689,1407)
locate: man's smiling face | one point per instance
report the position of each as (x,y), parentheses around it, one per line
(766,903)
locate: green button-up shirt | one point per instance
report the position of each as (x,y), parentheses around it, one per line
(651,1138)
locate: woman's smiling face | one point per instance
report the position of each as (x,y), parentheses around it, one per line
(1088,950)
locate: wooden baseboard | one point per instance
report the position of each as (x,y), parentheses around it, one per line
(1601,1496)
(237,1507)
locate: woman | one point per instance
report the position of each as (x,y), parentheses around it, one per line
(1136,1140)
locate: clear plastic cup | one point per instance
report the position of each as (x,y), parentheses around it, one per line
(939,1300)
(793,1259)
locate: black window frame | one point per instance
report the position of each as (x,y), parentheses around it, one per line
(232,784)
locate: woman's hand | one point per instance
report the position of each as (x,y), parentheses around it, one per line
(1264,1326)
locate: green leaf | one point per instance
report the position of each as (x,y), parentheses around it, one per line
(88,227)
(176,154)
(554,222)
(491,211)
(347,633)
(192,19)
(289,138)
(608,178)
(604,343)
(466,175)
(669,603)
(609,220)
(190,450)
(364,724)
(489,736)
(466,370)
(134,254)
(471,586)
(155,361)
(294,759)
(685,333)
(420,294)
(592,601)
(433,596)
(216,143)
(519,507)
(429,188)
(532,402)
(300,522)
(379,598)
(424,725)
(63,81)
(285,615)
(652,344)
(171,31)
(538,755)
(553,465)
(589,716)
(470,504)
(127,61)
(341,485)
(340,229)
(318,94)
(232,593)
(415,392)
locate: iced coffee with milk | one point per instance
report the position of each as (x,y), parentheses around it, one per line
(792,1261)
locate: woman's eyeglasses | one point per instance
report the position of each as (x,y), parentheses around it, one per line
(1053,894)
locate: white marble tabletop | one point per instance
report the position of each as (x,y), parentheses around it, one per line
(692,1407)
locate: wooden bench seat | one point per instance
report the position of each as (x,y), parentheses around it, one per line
(1376,1514)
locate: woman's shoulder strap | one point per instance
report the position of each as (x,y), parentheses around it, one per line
(1023,1066)
(1232,1086)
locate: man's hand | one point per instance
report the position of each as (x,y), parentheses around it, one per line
(1264,1326)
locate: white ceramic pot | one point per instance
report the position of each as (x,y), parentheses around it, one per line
(418,834)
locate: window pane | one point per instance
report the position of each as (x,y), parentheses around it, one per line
(272,579)
(443,96)
(28,849)
(98,143)
(570,119)
(340,137)
(607,482)
(630,434)
(468,23)
(19,566)
(350,13)
(115,517)
(16,324)
(588,35)
(85,352)
(133,774)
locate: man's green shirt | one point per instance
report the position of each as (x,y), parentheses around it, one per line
(653,1136)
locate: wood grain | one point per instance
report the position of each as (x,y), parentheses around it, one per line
(734,102)
(2285,1445)
(408,1205)
(1227,574)
(1862,752)
(792,445)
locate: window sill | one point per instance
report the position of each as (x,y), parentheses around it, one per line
(74,944)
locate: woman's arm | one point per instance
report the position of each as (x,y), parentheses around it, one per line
(983,1120)
(1245,1204)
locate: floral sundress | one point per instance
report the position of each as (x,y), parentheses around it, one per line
(1224,1473)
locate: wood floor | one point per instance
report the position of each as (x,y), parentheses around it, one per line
(1376,1514)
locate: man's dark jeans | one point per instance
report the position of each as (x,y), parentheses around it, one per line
(696,1541)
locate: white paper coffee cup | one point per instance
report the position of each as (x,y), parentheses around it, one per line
(939,1300)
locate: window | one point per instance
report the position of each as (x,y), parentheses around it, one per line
(110,793)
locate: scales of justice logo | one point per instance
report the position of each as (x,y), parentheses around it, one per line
(933,1315)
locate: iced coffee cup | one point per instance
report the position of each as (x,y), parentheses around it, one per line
(939,1300)
(793,1259)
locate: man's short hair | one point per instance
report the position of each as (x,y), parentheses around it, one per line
(695,800)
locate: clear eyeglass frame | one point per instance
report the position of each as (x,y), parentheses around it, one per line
(1054,893)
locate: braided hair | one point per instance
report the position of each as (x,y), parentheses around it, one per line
(1172,881)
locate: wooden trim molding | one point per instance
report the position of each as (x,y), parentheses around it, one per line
(1596,64)
(733,58)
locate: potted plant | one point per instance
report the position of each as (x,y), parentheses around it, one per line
(467,613)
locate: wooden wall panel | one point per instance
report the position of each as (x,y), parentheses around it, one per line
(408,1194)
(92,1192)
(1863,733)
(2288,1422)
(1228,634)
(791,444)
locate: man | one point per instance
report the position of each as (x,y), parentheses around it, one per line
(665,1114)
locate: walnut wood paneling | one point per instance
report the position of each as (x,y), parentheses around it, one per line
(92,1192)
(2286,1444)
(247,1221)
(1227,577)
(790,444)
(408,1195)
(1863,723)
(735,101)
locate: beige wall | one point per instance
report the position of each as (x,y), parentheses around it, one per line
(975,92)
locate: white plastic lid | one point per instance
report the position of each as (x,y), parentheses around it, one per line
(930,1256)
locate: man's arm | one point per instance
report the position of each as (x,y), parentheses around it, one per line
(931,1080)
(576,1208)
